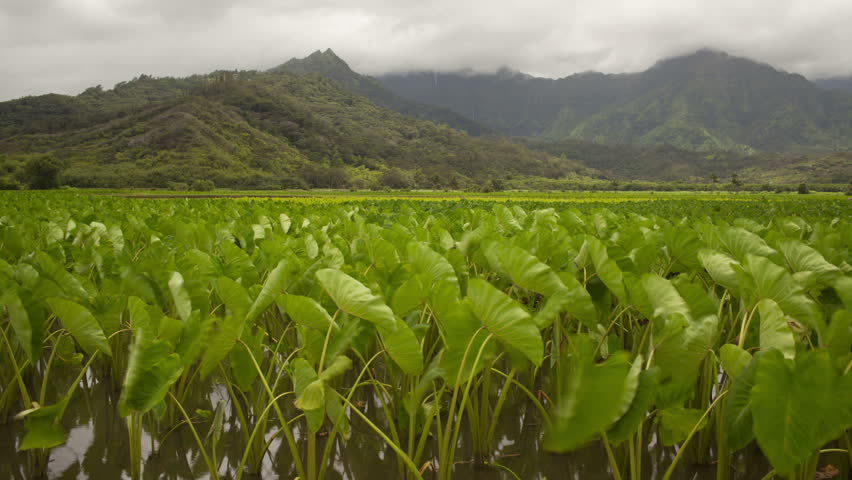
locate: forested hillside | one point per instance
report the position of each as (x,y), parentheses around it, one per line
(705,101)
(250,130)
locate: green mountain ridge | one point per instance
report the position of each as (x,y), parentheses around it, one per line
(328,64)
(251,130)
(314,122)
(704,101)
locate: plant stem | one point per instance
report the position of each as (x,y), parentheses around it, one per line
(405,458)
(683,445)
(616,473)
(25,395)
(291,442)
(214,473)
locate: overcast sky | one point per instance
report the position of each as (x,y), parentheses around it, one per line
(65,46)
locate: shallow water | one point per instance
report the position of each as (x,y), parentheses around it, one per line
(97,448)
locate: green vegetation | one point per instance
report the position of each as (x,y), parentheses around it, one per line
(667,163)
(265,330)
(706,101)
(329,65)
(249,130)
(314,123)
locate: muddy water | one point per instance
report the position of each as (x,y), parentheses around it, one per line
(97,448)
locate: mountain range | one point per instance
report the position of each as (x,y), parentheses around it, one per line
(252,130)
(704,101)
(314,122)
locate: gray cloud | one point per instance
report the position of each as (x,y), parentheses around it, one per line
(67,45)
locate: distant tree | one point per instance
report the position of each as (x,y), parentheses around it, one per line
(497,185)
(202,185)
(41,172)
(394,178)
(735,180)
(803,189)
(714,178)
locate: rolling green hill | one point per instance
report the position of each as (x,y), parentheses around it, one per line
(250,130)
(705,101)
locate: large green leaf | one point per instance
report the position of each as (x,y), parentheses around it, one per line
(337,368)
(306,311)
(737,410)
(355,299)
(839,337)
(411,294)
(677,422)
(664,297)
(591,401)
(242,366)
(775,332)
(802,258)
(272,287)
(310,393)
(505,319)
(29,330)
(234,296)
(768,280)
(734,359)
(683,245)
(152,368)
(432,264)
(403,347)
(464,336)
(680,346)
(523,269)
(740,243)
(44,428)
(69,284)
(606,268)
(220,342)
(629,423)
(183,302)
(81,324)
(788,401)
(719,266)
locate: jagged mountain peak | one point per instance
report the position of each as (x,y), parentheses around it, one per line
(325,63)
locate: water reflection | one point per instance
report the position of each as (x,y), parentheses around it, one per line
(97,448)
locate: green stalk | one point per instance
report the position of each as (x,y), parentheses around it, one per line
(504,393)
(25,395)
(43,393)
(312,436)
(214,473)
(244,459)
(616,473)
(631,452)
(541,410)
(443,451)
(745,325)
(405,458)
(134,432)
(288,434)
(457,428)
(683,445)
(847,444)
(329,444)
